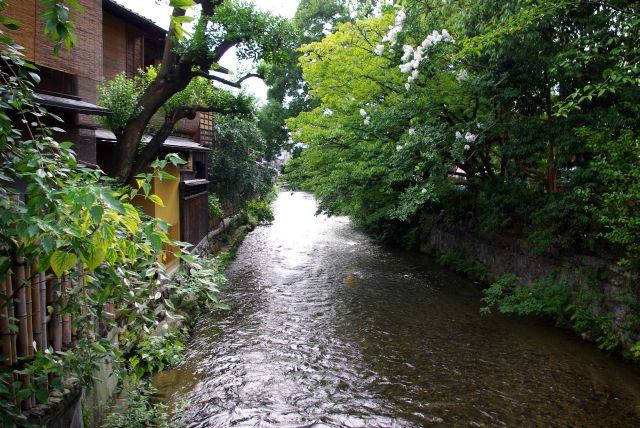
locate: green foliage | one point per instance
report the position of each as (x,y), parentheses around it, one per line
(55,213)
(459,262)
(138,411)
(196,287)
(215,208)
(120,95)
(201,282)
(545,297)
(259,212)
(539,146)
(635,351)
(57,23)
(154,353)
(235,175)
(200,92)
(288,94)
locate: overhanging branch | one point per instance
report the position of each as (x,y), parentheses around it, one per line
(227,82)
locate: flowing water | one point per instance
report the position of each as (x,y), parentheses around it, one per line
(328,328)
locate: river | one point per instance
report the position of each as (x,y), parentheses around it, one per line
(328,328)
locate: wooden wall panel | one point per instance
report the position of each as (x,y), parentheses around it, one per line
(135,51)
(194,216)
(205,136)
(114,50)
(25,12)
(86,58)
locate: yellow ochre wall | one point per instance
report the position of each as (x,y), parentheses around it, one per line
(169,192)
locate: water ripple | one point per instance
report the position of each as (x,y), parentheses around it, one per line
(329,329)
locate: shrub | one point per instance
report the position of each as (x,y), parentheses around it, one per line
(215,207)
(260,212)
(138,411)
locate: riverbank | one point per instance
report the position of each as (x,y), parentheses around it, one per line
(596,299)
(135,403)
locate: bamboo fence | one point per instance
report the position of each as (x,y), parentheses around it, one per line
(33,317)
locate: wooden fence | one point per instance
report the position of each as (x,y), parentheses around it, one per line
(26,324)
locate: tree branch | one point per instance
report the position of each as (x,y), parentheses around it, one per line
(235,84)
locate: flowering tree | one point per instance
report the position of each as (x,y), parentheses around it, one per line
(436,107)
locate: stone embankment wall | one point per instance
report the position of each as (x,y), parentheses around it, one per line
(618,292)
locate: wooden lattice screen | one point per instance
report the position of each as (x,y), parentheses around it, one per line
(206,129)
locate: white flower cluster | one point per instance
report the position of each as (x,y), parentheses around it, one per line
(365,116)
(468,137)
(411,132)
(392,35)
(412,57)
(462,75)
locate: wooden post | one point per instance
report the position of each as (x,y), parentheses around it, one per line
(39,294)
(21,307)
(66,318)
(5,332)
(36,303)
(29,292)
(11,313)
(20,287)
(43,310)
(55,324)
(28,284)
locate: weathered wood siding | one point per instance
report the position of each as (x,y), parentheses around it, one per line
(115,46)
(85,61)
(194,216)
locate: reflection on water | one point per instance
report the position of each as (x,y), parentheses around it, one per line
(327,328)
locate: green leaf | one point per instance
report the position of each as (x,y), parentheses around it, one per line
(24,394)
(62,261)
(5,264)
(42,395)
(156,241)
(182,4)
(12,24)
(95,254)
(157,200)
(98,348)
(97,211)
(166,176)
(43,264)
(222,306)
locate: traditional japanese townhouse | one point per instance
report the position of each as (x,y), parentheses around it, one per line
(112,39)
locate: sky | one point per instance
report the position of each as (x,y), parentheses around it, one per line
(160,15)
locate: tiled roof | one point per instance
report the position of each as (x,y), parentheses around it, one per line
(171,142)
(70,104)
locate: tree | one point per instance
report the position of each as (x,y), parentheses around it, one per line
(441,109)
(288,93)
(235,176)
(221,25)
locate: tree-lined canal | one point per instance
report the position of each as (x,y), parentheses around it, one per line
(330,328)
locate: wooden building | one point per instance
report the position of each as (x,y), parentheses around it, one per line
(112,39)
